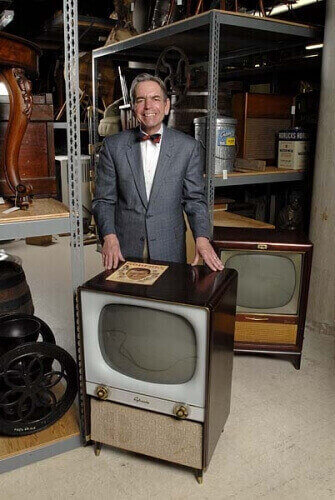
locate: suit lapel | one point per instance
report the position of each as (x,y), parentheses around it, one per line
(162,167)
(134,157)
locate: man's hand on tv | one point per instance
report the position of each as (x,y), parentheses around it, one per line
(204,249)
(111,253)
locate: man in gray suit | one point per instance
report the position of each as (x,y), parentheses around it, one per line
(145,179)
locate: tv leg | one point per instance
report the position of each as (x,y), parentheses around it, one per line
(297,362)
(199,476)
(97,448)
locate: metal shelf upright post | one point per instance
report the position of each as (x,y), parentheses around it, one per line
(73,139)
(213,87)
(71,50)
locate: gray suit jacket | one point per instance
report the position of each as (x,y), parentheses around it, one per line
(121,207)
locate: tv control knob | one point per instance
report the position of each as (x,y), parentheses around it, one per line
(180,411)
(101,392)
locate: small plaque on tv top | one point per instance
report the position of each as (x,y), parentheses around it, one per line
(137,273)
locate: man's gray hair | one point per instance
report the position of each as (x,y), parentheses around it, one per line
(146,77)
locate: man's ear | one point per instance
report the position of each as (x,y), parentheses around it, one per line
(167,107)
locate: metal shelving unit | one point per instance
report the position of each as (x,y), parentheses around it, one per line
(260,178)
(72,224)
(25,229)
(64,126)
(210,37)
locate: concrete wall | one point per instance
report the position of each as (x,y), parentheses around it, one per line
(321,308)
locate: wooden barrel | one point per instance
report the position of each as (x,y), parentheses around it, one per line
(15,296)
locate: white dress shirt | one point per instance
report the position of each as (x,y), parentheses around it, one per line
(150,153)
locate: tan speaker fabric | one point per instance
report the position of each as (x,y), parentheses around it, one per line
(265,333)
(146,432)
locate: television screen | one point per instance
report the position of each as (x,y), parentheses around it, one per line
(267,282)
(148,344)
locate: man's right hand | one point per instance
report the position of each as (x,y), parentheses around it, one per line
(111,253)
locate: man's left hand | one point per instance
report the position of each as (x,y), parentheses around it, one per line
(204,249)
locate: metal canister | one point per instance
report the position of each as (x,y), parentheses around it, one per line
(225,140)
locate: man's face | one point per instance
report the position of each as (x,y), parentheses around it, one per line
(150,107)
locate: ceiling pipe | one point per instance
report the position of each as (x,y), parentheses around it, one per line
(280,9)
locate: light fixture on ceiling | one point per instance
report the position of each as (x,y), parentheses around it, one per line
(6,17)
(280,9)
(314,47)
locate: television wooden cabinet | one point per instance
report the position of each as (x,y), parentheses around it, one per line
(274,271)
(129,402)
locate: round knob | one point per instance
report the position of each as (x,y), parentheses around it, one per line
(101,392)
(180,411)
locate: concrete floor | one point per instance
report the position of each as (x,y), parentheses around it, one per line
(279,441)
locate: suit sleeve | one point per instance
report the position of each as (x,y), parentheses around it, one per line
(194,199)
(105,196)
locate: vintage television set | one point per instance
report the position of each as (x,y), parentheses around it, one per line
(273,279)
(156,363)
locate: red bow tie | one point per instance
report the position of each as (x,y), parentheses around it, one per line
(155,138)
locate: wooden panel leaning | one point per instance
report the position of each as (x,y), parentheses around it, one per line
(259,118)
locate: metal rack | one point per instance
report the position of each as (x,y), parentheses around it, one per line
(25,229)
(260,178)
(210,37)
(72,224)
